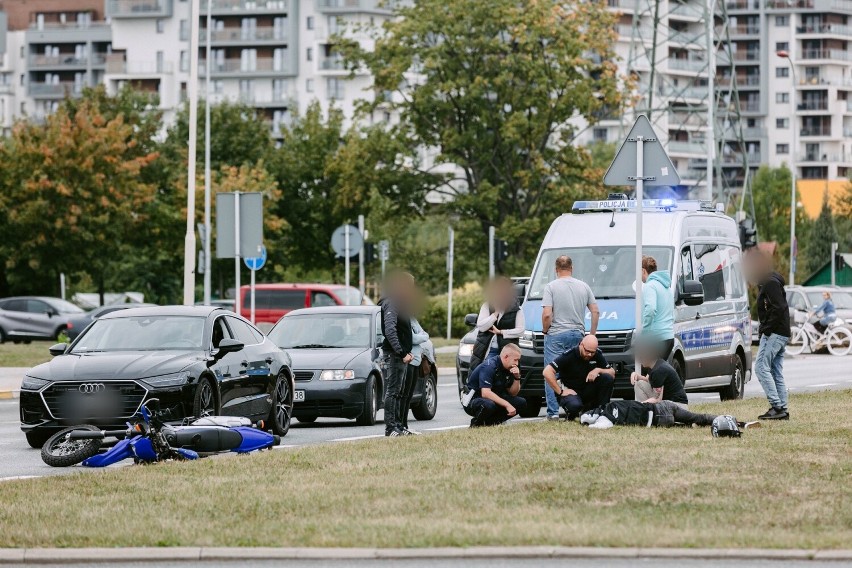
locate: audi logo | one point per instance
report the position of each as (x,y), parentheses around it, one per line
(91,388)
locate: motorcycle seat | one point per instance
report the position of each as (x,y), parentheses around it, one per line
(226,421)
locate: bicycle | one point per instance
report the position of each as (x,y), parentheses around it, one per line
(836,338)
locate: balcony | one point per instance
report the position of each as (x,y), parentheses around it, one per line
(68,32)
(66,61)
(690,11)
(744,106)
(815,131)
(272,100)
(139,68)
(826,29)
(139,8)
(263,34)
(820,104)
(622,5)
(698,93)
(737,158)
(687,119)
(333,63)
(225,7)
(823,158)
(836,54)
(743,30)
(262,66)
(339,6)
(741,81)
(57,90)
(679,147)
(742,5)
(688,65)
(754,132)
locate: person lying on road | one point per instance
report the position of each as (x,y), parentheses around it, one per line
(662,414)
(585,376)
(495,385)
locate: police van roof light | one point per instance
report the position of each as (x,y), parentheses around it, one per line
(666,204)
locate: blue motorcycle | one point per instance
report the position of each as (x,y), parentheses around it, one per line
(150,440)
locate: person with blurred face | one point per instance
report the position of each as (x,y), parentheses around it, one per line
(581,378)
(662,383)
(499,323)
(495,385)
(774,316)
(826,312)
(397,307)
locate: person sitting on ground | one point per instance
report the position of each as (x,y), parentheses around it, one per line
(662,381)
(826,312)
(581,378)
(495,384)
(662,414)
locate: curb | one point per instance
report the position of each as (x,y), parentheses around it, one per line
(9,394)
(178,554)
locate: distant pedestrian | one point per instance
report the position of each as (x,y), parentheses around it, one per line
(397,306)
(774,316)
(657,307)
(495,385)
(417,367)
(826,312)
(500,321)
(563,319)
(581,378)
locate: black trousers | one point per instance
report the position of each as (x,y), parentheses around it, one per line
(411,375)
(667,413)
(486,412)
(590,395)
(395,371)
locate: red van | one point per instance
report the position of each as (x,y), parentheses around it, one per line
(272,301)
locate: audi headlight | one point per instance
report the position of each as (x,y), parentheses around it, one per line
(173,380)
(466,350)
(527,340)
(337,375)
(32,383)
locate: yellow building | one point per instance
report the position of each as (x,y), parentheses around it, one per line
(811,192)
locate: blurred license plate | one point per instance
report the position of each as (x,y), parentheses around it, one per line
(299,396)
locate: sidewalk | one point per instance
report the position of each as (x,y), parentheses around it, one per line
(10,381)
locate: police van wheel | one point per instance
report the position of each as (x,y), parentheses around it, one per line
(677,365)
(531,410)
(735,390)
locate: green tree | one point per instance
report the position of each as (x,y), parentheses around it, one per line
(494,86)
(821,234)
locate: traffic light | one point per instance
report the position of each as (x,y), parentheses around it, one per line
(748,234)
(501,250)
(369,253)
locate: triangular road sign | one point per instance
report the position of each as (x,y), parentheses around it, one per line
(658,170)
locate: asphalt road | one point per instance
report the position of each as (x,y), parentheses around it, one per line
(806,373)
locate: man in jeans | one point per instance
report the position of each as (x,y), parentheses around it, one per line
(563,320)
(397,346)
(774,316)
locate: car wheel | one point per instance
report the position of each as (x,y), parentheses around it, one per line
(2,336)
(371,404)
(677,365)
(59,331)
(531,410)
(428,405)
(205,403)
(735,390)
(282,406)
(307,419)
(61,452)
(37,438)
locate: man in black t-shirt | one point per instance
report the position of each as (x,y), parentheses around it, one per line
(662,381)
(585,376)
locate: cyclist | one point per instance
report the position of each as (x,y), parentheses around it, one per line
(825,312)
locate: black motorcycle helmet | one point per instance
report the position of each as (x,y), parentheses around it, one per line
(725,427)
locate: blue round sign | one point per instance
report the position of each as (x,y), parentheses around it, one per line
(256,262)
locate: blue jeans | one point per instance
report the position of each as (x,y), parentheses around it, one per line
(769,368)
(554,346)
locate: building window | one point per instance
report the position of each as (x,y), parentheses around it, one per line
(161,26)
(782,46)
(184,61)
(599,134)
(782,21)
(334,88)
(782,97)
(782,72)
(310,22)
(184,30)
(782,123)
(309,54)
(782,148)
(309,85)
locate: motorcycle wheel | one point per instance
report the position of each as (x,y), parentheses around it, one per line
(61,452)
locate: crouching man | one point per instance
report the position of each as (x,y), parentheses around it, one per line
(585,376)
(495,384)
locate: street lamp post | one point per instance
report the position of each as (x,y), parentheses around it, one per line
(793,149)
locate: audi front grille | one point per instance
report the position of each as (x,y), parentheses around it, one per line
(93,399)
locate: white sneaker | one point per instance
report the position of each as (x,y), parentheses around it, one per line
(602,423)
(412,432)
(589,418)
(552,417)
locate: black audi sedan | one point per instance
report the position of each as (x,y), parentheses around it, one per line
(336,353)
(197,360)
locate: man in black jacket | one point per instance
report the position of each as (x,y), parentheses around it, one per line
(774,316)
(396,328)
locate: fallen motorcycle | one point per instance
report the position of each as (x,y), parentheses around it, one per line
(150,440)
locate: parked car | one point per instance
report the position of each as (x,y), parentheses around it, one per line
(197,360)
(463,356)
(76,324)
(273,301)
(804,299)
(24,318)
(336,353)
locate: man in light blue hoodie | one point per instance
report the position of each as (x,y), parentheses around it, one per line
(658,307)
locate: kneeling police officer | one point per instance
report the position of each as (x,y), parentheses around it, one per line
(493,388)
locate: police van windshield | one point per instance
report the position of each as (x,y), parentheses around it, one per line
(609,271)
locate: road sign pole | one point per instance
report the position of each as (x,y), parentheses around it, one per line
(346,252)
(491,252)
(192,91)
(62,281)
(237,252)
(252,295)
(361,281)
(450,284)
(833,265)
(208,260)
(640,183)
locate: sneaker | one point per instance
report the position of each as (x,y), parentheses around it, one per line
(775,414)
(589,418)
(394,433)
(552,417)
(408,432)
(602,423)
(746,425)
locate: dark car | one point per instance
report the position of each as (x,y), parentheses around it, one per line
(197,360)
(336,353)
(76,324)
(24,318)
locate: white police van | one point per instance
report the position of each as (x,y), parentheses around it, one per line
(697,243)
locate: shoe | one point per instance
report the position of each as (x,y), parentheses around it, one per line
(747,425)
(589,418)
(553,418)
(775,414)
(602,423)
(407,432)
(394,433)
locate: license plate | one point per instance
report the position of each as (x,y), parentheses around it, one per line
(299,396)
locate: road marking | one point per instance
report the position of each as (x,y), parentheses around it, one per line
(352,438)
(285,446)
(14,477)
(821,385)
(533,419)
(442,428)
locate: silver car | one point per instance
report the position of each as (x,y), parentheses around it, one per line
(24,318)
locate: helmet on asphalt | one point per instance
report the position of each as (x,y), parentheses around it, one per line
(725,426)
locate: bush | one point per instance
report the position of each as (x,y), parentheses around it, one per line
(466,300)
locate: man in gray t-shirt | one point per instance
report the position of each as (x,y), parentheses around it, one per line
(563,319)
